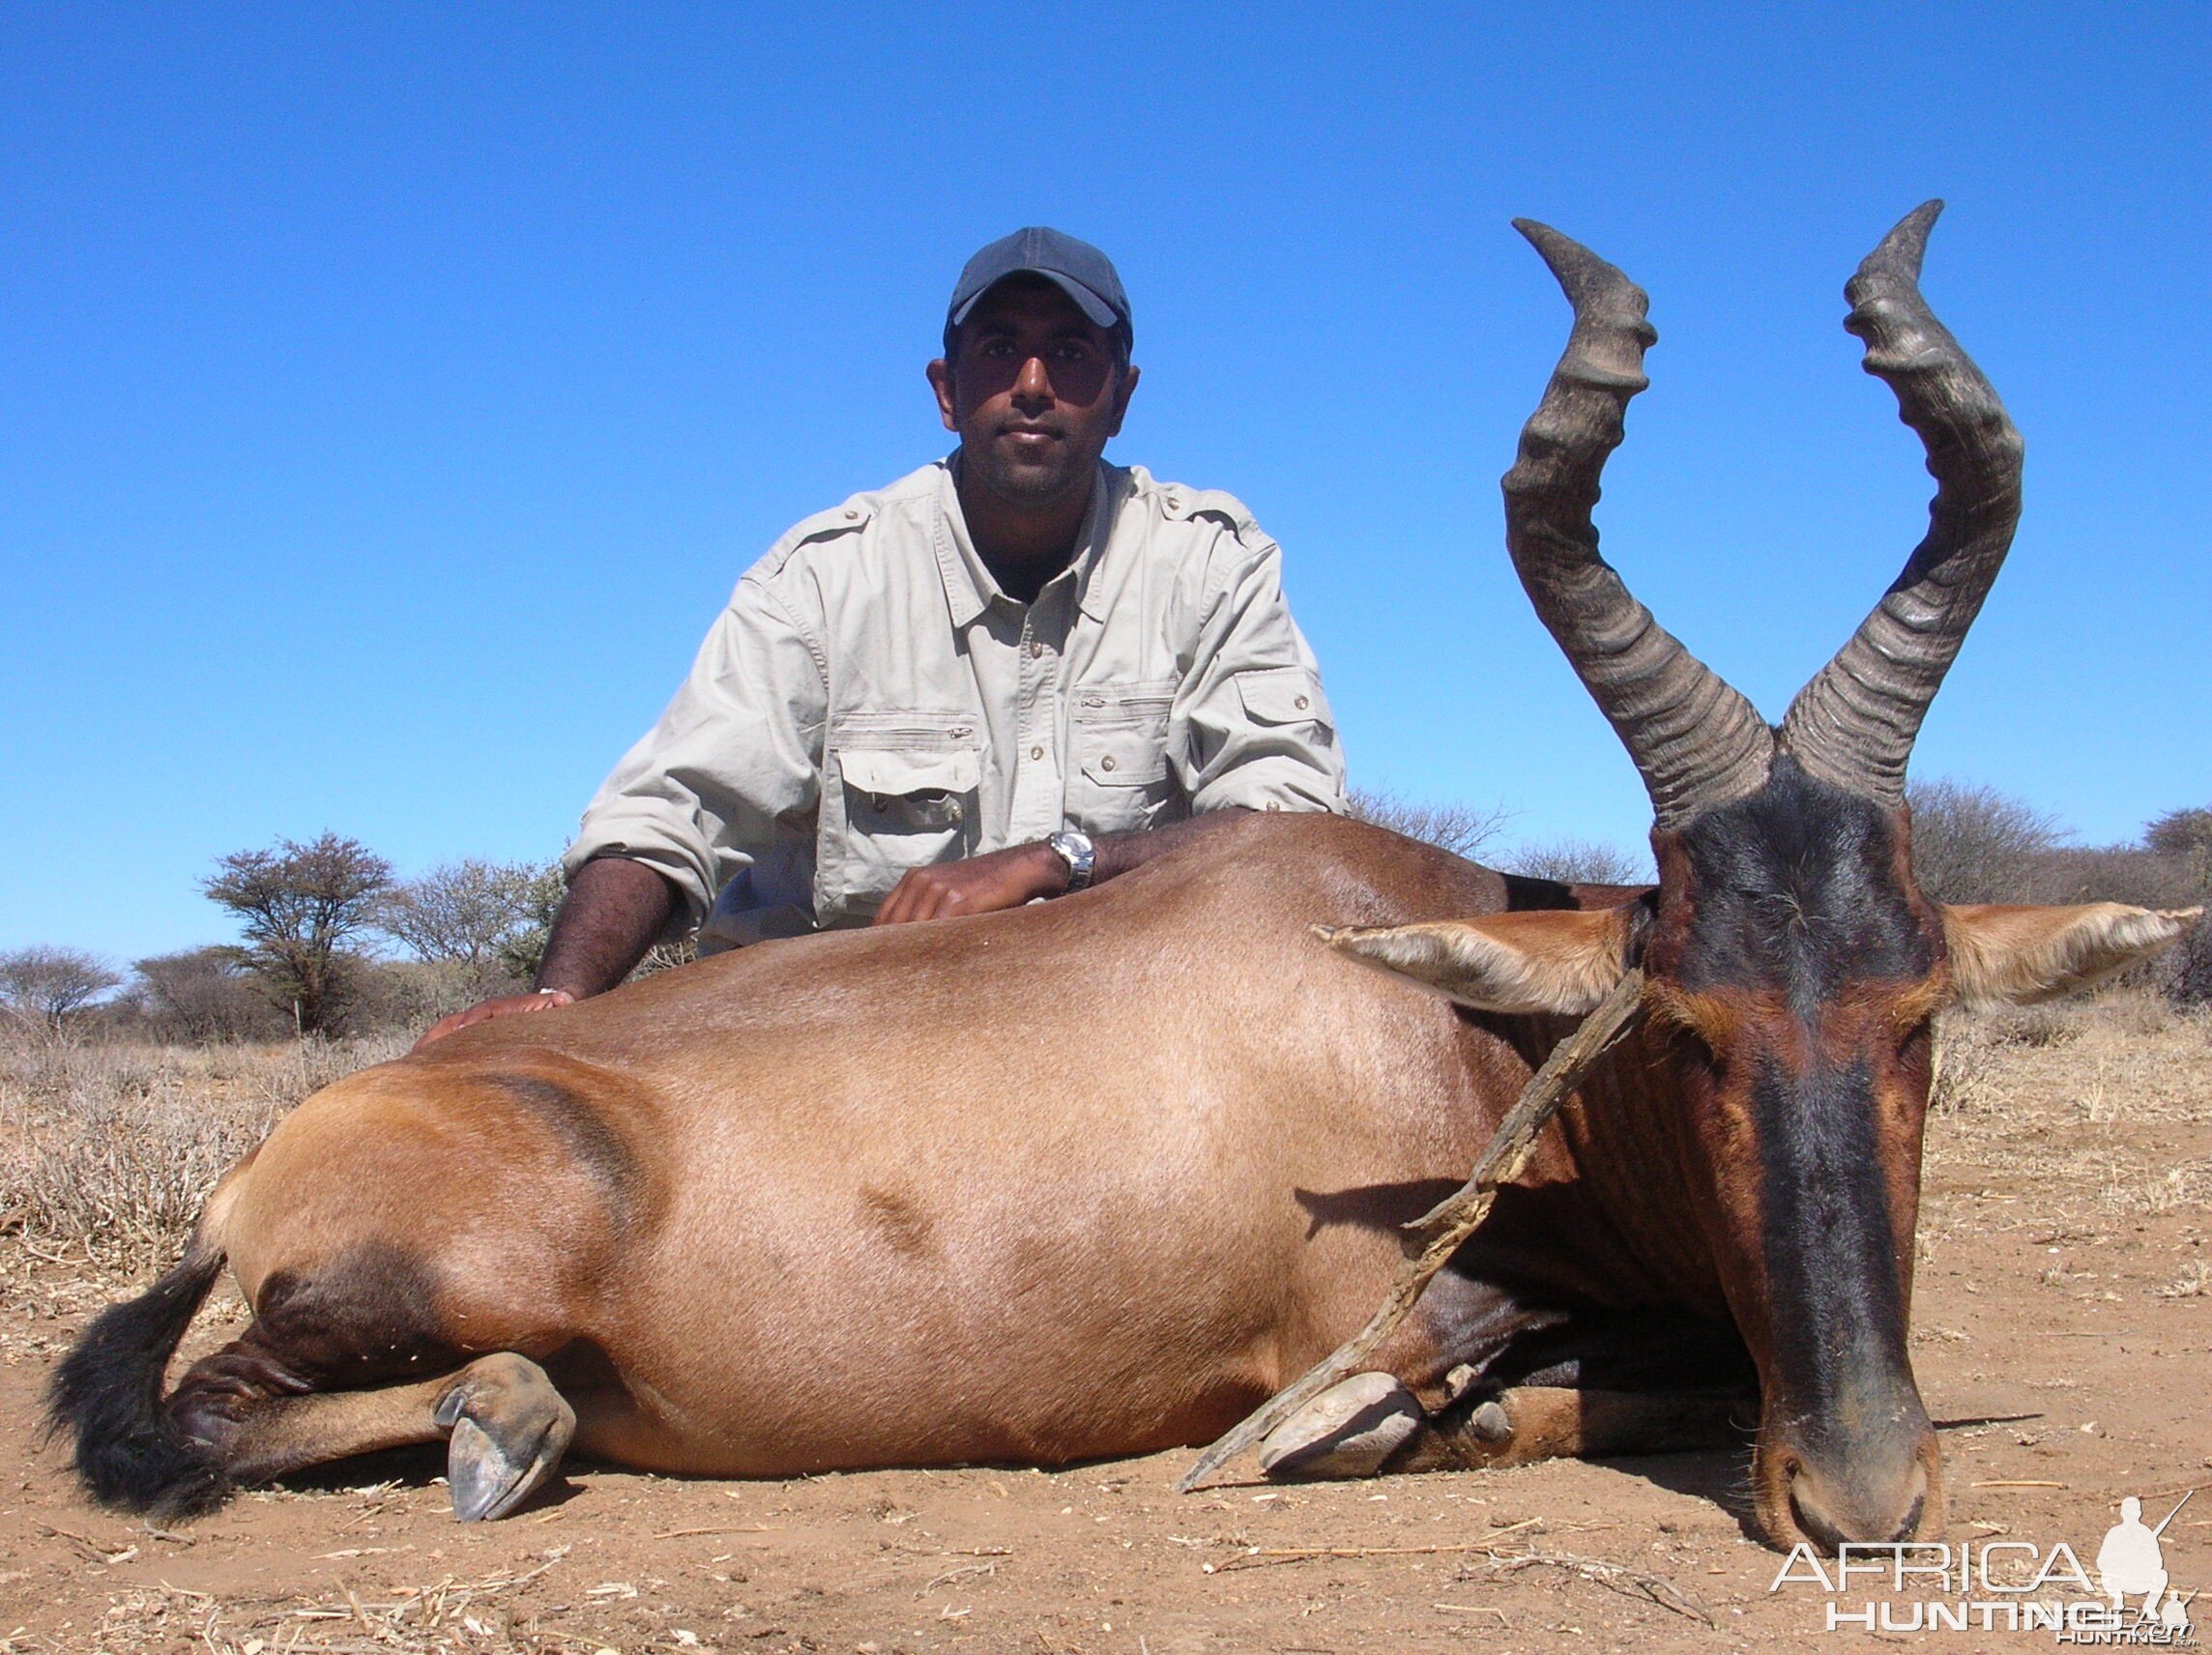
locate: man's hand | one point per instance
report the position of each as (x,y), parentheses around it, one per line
(981,885)
(484,1010)
(612,912)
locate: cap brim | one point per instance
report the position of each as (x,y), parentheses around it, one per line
(1101,313)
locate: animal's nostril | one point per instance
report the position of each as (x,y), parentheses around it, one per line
(1910,1526)
(1811,1521)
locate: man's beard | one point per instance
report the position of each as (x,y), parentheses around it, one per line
(1031,483)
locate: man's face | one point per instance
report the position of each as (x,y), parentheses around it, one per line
(1036,390)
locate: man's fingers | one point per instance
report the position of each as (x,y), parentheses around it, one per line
(981,884)
(895,905)
(486,1010)
(444,1027)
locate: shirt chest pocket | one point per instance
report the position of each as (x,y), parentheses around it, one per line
(908,798)
(905,791)
(1120,779)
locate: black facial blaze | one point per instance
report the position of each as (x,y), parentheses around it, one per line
(1795,900)
(1837,1313)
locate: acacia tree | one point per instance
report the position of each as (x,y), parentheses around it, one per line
(1463,830)
(473,915)
(44,987)
(297,906)
(1580,861)
(204,995)
(1972,843)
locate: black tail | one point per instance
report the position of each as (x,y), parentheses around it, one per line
(107,1395)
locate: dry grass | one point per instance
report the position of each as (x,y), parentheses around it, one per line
(106,1152)
(441,1617)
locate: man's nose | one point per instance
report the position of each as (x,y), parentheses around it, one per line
(1032,384)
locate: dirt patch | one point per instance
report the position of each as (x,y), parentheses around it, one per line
(2062,1330)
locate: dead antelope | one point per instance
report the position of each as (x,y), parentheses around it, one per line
(1096,1177)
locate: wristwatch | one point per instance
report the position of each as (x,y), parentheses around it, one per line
(1073,846)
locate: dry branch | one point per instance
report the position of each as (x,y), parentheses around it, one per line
(1613,1577)
(1430,1241)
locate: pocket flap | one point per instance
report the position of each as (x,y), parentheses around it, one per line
(1124,756)
(892,770)
(1282,695)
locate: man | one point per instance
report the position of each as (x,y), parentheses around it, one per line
(1015,673)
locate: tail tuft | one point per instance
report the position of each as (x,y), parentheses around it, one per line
(106,1396)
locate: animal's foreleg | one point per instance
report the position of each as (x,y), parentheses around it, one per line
(1350,1430)
(1528,1423)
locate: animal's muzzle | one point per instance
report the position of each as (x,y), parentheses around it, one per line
(1873,1485)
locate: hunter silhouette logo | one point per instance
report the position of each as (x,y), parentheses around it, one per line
(2132,1561)
(2007,1585)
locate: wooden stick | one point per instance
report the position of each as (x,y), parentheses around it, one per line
(1431,1240)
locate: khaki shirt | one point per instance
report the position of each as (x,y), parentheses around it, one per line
(871,702)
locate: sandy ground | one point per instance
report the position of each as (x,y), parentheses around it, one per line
(2064,1328)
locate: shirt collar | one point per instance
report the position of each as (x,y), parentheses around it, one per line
(968,586)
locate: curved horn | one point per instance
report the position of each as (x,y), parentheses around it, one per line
(1697,743)
(1854,725)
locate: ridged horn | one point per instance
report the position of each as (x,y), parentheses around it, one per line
(1697,743)
(1853,726)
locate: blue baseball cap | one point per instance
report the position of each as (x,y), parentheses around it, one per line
(1076,268)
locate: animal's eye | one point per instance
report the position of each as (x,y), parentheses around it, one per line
(1916,1037)
(1696,1045)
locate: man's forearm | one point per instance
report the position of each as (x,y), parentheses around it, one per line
(1023,873)
(615,910)
(1119,853)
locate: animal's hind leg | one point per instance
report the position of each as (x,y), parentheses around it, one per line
(505,1425)
(510,1429)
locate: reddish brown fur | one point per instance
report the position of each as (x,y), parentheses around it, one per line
(1035,1186)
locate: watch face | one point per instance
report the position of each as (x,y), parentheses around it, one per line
(1077,852)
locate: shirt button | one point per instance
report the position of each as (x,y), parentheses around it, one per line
(1036,649)
(1106,762)
(852,513)
(1299,704)
(1036,752)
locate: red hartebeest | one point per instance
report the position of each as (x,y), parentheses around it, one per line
(1095,1176)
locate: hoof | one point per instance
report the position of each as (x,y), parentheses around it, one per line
(1490,1423)
(1349,1431)
(509,1428)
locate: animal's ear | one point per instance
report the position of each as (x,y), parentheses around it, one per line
(1548,960)
(2017,956)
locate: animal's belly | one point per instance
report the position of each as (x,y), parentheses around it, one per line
(855,1314)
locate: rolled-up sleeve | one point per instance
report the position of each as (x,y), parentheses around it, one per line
(1256,727)
(739,749)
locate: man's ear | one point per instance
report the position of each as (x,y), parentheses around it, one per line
(1130,373)
(940,374)
(2019,956)
(1556,960)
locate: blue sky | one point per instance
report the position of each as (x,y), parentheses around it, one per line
(394,394)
